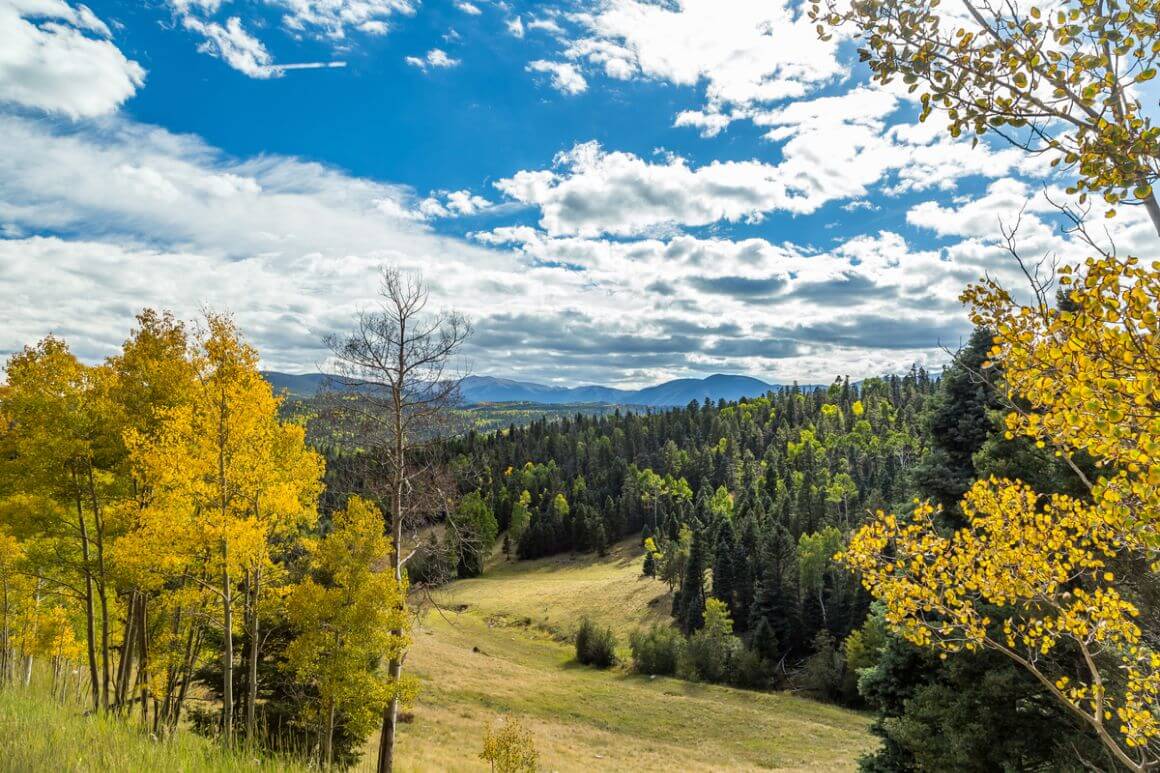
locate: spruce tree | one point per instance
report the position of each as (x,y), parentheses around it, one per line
(690,604)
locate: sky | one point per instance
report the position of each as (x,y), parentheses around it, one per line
(613,191)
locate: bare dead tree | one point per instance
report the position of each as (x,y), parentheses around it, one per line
(394,393)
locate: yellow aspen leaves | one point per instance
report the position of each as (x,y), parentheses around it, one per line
(1082,379)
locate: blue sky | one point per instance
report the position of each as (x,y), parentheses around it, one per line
(615,191)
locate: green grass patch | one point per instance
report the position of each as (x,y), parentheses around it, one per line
(40,734)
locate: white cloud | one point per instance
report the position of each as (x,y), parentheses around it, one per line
(1032,214)
(710,122)
(546,24)
(234,45)
(145,217)
(471,9)
(59,58)
(565,77)
(230,41)
(331,18)
(140,216)
(516,27)
(745,52)
(453,204)
(436,58)
(833,149)
(374,27)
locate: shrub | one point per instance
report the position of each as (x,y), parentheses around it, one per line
(710,650)
(749,669)
(511,749)
(706,658)
(657,650)
(595,646)
(822,673)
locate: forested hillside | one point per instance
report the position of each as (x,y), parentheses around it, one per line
(735,488)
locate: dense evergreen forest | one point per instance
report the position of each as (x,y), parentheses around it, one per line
(734,488)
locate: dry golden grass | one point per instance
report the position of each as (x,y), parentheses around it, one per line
(554,593)
(482,661)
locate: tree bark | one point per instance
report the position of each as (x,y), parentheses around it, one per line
(227,585)
(395,669)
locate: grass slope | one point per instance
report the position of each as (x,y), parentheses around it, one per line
(39,734)
(500,652)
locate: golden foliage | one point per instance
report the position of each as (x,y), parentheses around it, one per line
(511,749)
(1082,379)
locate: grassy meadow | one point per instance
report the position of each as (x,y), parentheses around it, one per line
(497,645)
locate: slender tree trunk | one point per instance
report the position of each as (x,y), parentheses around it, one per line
(125,666)
(227,650)
(5,640)
(143,652)
(395,668)
(227,585)
(90,613)
(194,645)
(252,682)
(328,740)
(102,587)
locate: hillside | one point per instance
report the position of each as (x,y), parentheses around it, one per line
(495,648)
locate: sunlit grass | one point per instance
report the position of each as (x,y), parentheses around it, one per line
(483,661)
(38,733)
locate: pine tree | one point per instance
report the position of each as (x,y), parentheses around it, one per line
(690,603)
(725,571)
(774,622)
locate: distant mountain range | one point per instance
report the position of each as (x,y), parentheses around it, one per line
(489,389)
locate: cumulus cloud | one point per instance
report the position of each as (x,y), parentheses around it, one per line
(590,190)
(516,27)
(744,52)
(436,58)
(565,77)
(453,204)
(60,58)
(546,24)
(471,9)
(103,220)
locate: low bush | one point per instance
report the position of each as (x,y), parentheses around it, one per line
(707,658)
(657,650)
(749,669)
(595,646)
